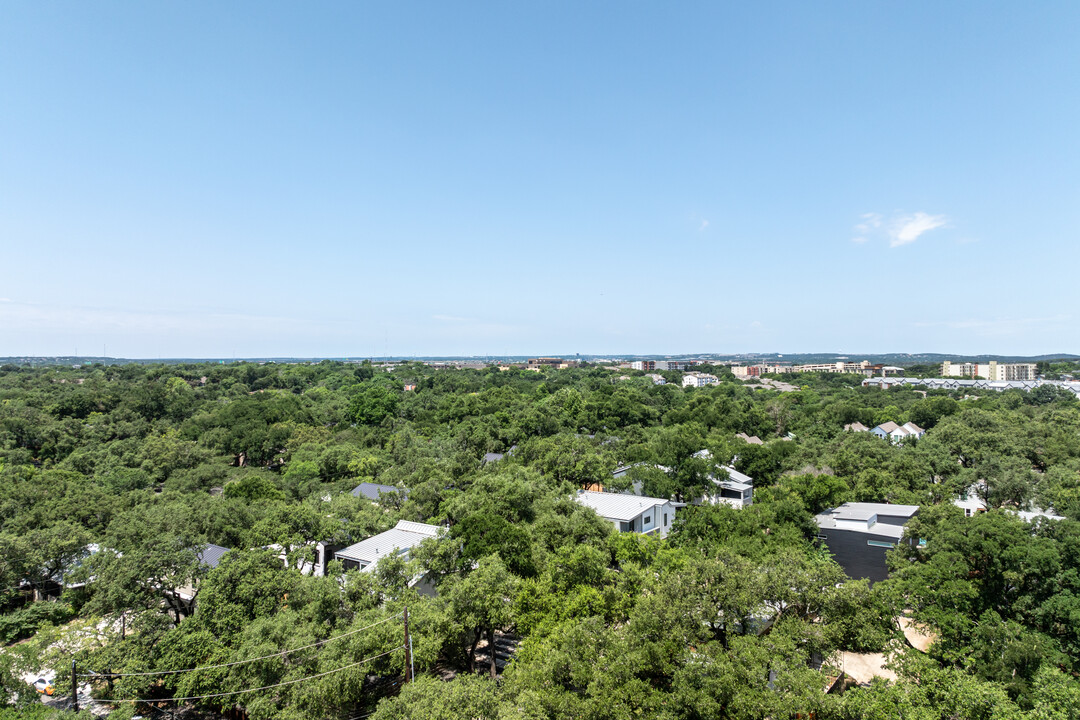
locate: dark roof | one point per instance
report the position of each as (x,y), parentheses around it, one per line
(373,491)
(211,555)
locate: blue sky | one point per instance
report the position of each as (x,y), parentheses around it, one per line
(339,178)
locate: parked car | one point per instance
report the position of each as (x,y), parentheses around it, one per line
(44,687)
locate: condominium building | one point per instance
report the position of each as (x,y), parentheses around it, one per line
(698,379)
(992,370)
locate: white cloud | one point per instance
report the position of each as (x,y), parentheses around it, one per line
(899,229)
(704,224)
(908,229)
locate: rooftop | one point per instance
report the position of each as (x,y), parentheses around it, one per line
(402,536)
(372,491)
(616,506)
(210,555)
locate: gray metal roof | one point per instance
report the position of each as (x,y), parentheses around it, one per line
(616,506)
(402,536)
(210,555)
(372,491)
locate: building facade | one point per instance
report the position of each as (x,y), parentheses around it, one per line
(859,534)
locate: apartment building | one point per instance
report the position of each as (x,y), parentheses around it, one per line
(698,379)
(992,370)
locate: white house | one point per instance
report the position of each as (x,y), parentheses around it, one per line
(631,513)
(737,490)
(971,502)
(895,433)
(398,540)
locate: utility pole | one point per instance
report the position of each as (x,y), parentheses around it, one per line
(408,649)
(74,688)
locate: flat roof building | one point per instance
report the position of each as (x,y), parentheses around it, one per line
(859,534)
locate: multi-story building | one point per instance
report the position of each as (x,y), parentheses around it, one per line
(858,535)
(698,379)
(544,362)
(992,370)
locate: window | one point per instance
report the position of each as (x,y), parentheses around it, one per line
(648,519)
(624,527)
(879,543)
(665,519)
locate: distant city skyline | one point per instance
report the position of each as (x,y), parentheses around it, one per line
(345,180)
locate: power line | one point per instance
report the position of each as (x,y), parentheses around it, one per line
(279,653)
(249,690)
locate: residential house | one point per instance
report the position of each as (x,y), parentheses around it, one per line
(315,564)
(859,534)
(737,490)
(856,427)
(752,439)
(895,433)
(375,491)
(631,513)
(209,557)
(399,540)
(972,502)
(496,457)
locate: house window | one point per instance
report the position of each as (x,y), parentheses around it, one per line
(665,519)
(648,519)
(624,527)
(879,543)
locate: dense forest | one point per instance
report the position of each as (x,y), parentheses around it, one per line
(112,478)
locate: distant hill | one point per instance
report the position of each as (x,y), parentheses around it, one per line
(901,359)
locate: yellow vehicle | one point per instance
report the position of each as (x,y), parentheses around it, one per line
(44,687)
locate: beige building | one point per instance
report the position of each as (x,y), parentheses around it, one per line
(992,370)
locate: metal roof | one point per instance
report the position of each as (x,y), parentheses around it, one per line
(372,491)
(402,536)
(615,506)
(210,555)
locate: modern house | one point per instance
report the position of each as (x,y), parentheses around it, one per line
(374,491)
(737,490)
(398,540)
(631,513)
(859,534)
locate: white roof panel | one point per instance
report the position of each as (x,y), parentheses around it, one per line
(402,536)
(615,506)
